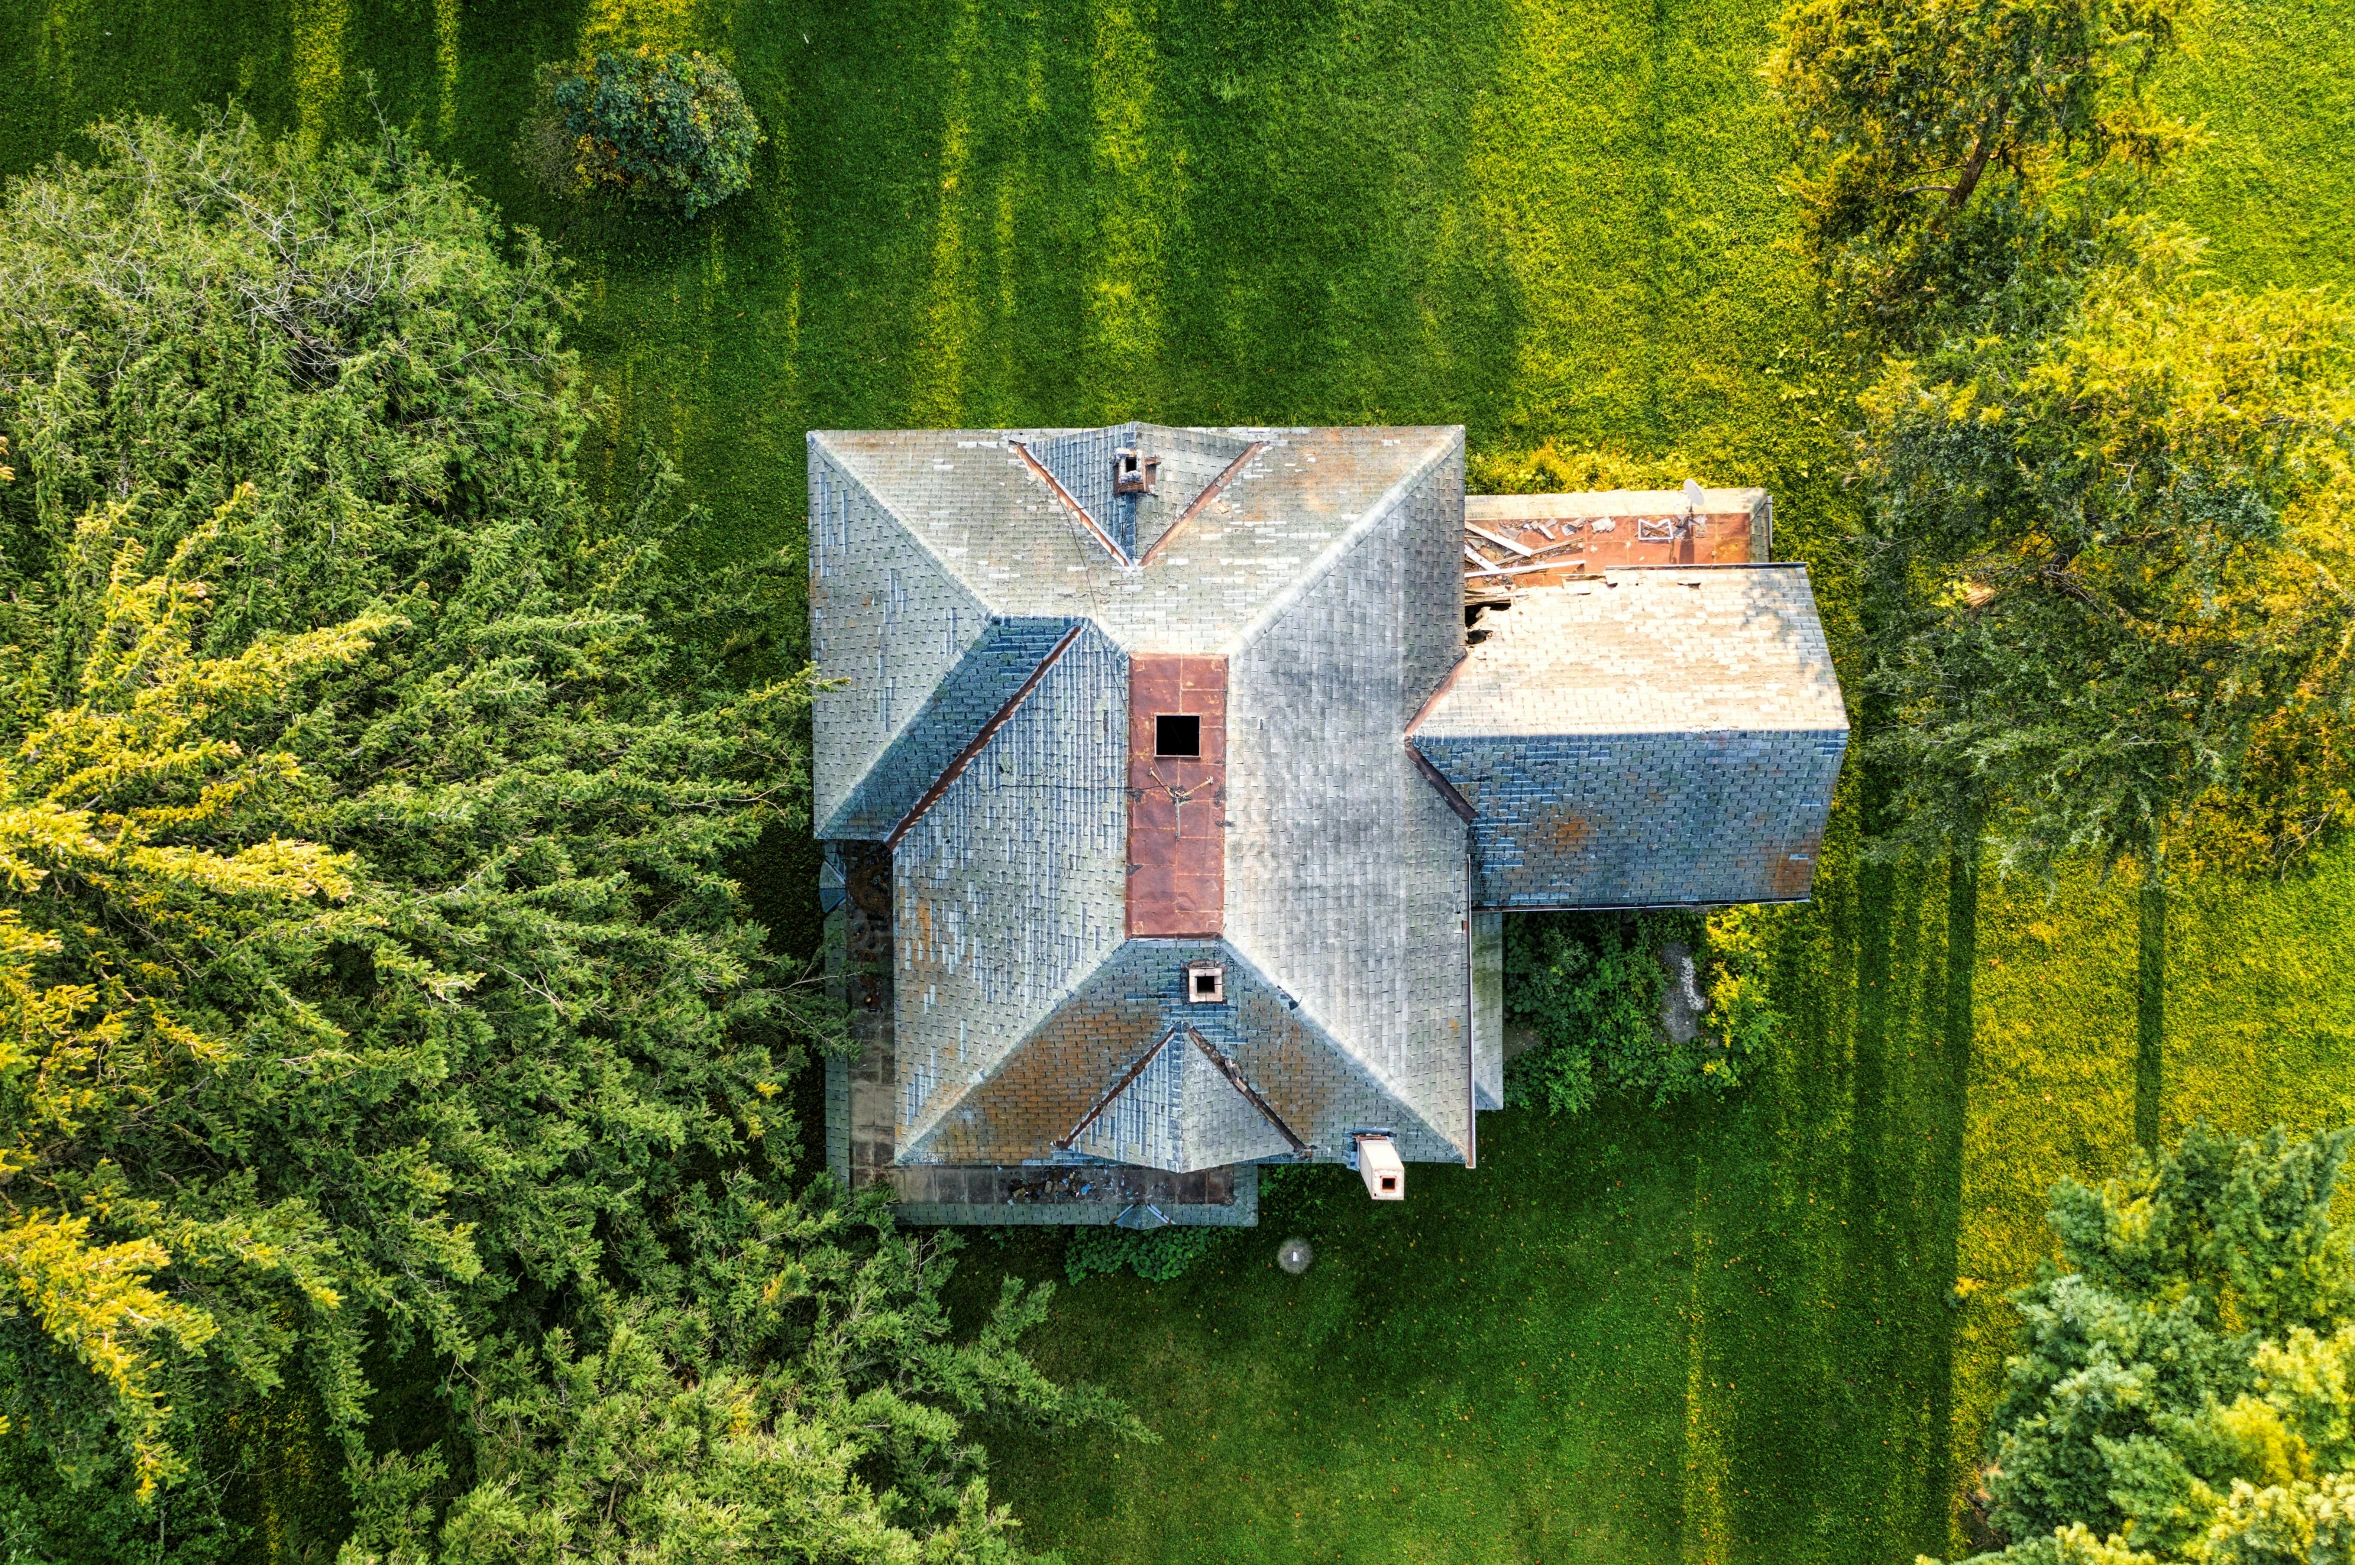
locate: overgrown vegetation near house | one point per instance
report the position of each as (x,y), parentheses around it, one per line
(1654,1006)
(1709,1329)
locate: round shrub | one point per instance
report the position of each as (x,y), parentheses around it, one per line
(667,128)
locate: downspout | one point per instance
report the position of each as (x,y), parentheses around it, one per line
(1471,1020)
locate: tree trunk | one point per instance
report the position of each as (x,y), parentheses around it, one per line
(2150,1006)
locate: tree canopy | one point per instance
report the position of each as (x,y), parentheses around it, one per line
(2129,616)
(2187,1388)
(1945,151)
(390,1053)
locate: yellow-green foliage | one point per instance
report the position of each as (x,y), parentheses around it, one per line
(1548,471)
(2183,1389)
(393,1061)
(128,794)
(1554,220)
(2127,544)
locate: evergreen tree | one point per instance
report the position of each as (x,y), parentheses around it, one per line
(395,1151)
(2187,1389)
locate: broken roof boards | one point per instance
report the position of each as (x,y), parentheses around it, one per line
(1119,705)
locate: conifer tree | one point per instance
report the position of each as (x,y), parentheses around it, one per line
(2186,1392)
(396,1150)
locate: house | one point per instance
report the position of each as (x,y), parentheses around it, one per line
(1174,783)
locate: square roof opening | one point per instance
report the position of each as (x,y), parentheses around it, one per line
(1177,734)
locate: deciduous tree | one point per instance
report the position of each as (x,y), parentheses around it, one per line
(1957,154)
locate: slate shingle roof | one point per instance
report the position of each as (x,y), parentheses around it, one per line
(1656,736)
(988,609)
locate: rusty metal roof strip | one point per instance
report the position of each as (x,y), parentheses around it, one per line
(1226,1068)
(1111,545)
(1208,494)
(1447,790)
(1118,1087)
(989,729)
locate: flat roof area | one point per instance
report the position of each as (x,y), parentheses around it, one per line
(1669,650)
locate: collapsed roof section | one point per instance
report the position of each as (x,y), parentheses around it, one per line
(1644,738)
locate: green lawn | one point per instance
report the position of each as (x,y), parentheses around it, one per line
(1694,1336)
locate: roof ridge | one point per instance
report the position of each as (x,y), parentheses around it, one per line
(1318,1028)
(1344,543)
(980,741)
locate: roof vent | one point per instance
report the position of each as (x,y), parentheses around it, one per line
(1133,472)
(1177,735)
(1206,983)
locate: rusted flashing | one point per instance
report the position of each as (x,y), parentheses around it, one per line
(1118,1087)
(989,730)
(1447,790)
(1111,545)
(1226,1068)
(1447,682)
(1176,880)
(1209,493)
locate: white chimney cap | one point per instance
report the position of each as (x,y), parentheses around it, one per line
(1379,1166)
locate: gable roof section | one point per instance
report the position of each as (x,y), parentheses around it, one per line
(1346,874)
(1009,885)
(888,621)
(971,502)
(993,671)
(1183,1107)
(1087,1052)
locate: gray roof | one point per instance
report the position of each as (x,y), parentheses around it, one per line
(986,606)
(1661,650)
(952,568)
(1665,735)
(969,501)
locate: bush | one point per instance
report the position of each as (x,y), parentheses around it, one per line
(1548,471)
(1157,1256)
(666,128)
(1592,984)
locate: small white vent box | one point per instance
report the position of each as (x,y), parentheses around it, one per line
(1379,1167)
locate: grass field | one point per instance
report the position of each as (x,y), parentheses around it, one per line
(1697,1336)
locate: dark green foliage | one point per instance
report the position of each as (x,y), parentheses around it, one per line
(2184,1387)
(1157,1256)
(1593,986)
(514,1108)
(672,129)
